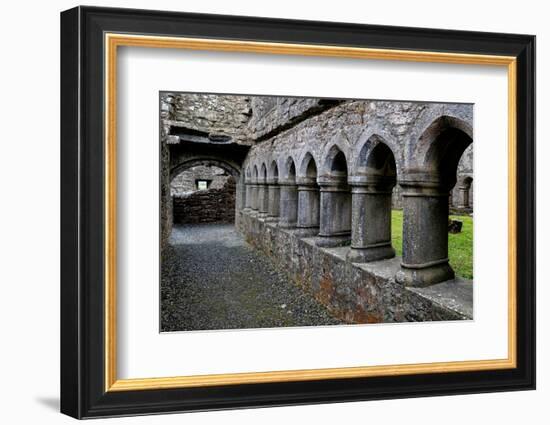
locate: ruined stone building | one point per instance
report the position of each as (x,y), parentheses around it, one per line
(312,182)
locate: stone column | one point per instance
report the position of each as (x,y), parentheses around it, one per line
(308,207)
(463,197)
(425,244)
(288,205)
(240,201)
(335,214)
(240,196)
(254,198)
(273,196)
(262,199)
(371,219)
(248,197)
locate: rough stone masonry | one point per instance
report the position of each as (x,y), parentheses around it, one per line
(316,182)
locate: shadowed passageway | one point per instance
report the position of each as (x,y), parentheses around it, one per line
(211,279)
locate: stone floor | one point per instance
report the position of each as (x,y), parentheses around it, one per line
(211,279)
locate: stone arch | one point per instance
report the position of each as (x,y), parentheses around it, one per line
(335,163)
(426,202)
(262,192)
(440,147)
(254,198)
(308,166)
(371,202)
(273,192)
(376,159)
(335,220)
(255,173)
(263,172)
(464,189)
(273,173)
(290,169)
(247,195)
(466,181)
(230,200)
(288,195)
(367,142)
(233,169)
(308,197)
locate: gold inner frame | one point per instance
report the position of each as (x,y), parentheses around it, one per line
(113,41)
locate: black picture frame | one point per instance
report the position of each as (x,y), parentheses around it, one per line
(83,392)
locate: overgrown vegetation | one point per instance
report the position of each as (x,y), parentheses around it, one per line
(460,244)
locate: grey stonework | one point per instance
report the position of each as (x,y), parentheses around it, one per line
(355,293)
(214,117)
(364,147)
(186,182)
(463,192)
(316,182)
(166,214)
(272,115)
(215,205)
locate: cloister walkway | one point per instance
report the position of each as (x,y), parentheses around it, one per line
(211,279)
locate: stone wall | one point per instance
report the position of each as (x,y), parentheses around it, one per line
(185,182)
(206,206)
(214,115)
(166,215)
(271,114)
(332,175)
(306,156)
(355,293)
(350,126)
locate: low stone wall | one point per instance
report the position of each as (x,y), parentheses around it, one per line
(206,206)
(355,293)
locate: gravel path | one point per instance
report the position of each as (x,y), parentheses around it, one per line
(211,279)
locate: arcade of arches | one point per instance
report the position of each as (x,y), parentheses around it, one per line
(315,191)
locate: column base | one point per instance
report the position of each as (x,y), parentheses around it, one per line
(368,254)
(425,276)
(307,231)
(333,241)
(262,215)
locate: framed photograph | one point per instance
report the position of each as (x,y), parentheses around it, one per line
(261,212)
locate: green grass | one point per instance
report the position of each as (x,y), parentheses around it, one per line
(460,245)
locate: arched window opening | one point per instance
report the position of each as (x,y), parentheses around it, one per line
(289,197)
(262,193)
(335,201)
(254,191)
(372,188)
(248,191)
(465,194)
(308,198)
(426,203)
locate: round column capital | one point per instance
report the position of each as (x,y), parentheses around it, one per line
(306,181)
(285,182)
(333,184)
